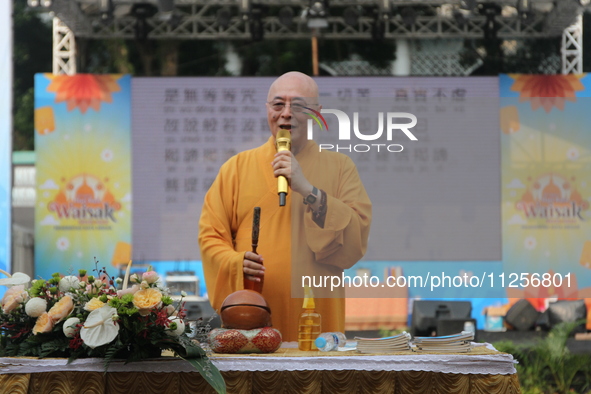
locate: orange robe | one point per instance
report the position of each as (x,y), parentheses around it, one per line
(288,235)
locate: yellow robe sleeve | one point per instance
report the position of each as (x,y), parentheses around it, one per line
(222,265)
(343,240)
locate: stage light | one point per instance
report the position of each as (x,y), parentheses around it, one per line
(256,24)
(524,8)
(166,5)
(316,14)
(174,20)
(106,9)
(142,11)
(385,7)
(37,3)
(318,9)
(286,16)
(409,16)
(459,18)
(469,5)
(244,5)
(378,27)
(223,17)
(491,26)
(351,16)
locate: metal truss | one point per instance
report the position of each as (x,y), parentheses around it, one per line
(199,19)
(572,48)
(64,49)
(263,19)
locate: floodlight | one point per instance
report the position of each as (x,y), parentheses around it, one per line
(37,3)
(286,16)
(318,9)
(409,16)
(142,11)
(256,24)
(166,5)
(223,16)
(106,9)
(351,16)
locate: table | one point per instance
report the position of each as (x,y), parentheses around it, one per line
(481,371)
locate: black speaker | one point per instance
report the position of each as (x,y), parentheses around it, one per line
(426,313)
(453,326)
(567,311)
(522,315)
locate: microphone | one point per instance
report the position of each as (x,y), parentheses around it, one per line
(283,143)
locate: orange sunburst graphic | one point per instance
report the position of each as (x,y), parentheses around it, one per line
(83,90)
(546,91)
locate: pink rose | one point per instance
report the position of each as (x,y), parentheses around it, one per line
(13,297)
(150,277)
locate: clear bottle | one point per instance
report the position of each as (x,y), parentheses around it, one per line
(469,327)
(328,341)
(309,323)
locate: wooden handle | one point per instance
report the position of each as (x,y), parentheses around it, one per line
(256,221)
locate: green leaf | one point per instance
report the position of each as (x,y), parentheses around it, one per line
(209,372)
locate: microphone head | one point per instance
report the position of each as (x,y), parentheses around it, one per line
(283,139)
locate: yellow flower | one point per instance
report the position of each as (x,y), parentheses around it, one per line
(13,297)
(93,304)
(43,324)
(61,309)
(147,299)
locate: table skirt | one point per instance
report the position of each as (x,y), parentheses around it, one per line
(313,381)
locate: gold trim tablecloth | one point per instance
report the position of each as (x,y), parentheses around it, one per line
(288,371)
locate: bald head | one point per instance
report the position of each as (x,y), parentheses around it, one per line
(289,89)
(296,81)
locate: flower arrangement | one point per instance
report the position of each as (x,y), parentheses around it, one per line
(86,316)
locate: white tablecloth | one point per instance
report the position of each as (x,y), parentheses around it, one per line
(497,364)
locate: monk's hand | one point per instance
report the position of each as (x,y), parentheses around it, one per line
(287,165)
(252,266)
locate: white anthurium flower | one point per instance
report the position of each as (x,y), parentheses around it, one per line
(35,307)
(69,282)
(178,330)
(99,328)
(69,327)
(18,278)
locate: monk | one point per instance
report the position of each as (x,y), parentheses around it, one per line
(322,229)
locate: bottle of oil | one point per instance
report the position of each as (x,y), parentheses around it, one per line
(309,323)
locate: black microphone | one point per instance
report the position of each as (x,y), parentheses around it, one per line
(283,143)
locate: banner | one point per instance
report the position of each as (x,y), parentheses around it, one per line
(546,186)
(436,200)
(5,134)
(82,140)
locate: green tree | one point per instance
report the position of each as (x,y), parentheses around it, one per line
(31,54)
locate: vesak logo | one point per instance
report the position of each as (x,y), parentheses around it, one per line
(554,199)
(86,199)
(402,121)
